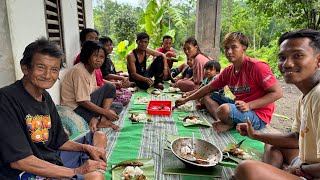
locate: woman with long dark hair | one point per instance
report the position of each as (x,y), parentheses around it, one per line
(192,51)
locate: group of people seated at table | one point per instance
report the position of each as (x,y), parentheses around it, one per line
(35,145)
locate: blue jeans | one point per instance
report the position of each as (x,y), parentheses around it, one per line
(237,116)
(70,159)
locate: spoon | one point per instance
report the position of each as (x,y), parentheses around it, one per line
(192,143)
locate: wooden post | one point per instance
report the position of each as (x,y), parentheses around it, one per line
(208,27)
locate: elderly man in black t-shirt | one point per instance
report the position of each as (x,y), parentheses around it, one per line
(31,133)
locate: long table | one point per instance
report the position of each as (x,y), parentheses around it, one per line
(146,140)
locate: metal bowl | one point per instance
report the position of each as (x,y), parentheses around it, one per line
(202,149)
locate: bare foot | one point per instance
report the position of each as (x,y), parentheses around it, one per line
(200,106)
(132,84)
(105,123)
(221,127)
(111,115)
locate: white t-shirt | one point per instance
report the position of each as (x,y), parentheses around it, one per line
(308,126)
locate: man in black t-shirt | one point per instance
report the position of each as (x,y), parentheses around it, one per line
(137,64)
(31,132)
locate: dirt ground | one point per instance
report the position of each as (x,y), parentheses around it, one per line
(285,108)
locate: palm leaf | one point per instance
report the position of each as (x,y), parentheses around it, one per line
(177,18)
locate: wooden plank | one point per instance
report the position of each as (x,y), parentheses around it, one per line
(57,39)
(49,3)
(55,22)
(53,30)
(51,13)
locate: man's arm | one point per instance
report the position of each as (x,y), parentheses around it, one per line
(115,77)
(273,93)
(288,140)
(164,58)
(34,165)
(197,95)
(312,169)
(96,153)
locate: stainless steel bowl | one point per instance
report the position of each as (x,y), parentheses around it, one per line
(202,149)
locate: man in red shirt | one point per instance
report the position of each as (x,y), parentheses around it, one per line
(166,49)
(252,83)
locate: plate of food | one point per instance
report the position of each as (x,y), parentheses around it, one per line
(189,106)
(243,152)
(141,100)
(192,120)
(133,89)
(172,90)
(154,91)
(139,169)
(139,117)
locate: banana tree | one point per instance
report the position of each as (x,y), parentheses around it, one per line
(120,53)
(157,18)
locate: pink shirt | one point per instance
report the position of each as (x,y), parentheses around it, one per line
(161,49)
(249,84)
(198,68)
(98,72)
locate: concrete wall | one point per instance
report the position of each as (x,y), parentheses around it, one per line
(27,23)
(26,19)
(89,13)
(7,75)
(71,38)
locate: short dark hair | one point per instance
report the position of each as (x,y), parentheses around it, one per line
(239,36)
(88,48)
(313,35)
(142,35)
(41,46)
(104,39)
(213,64)
(166,37)
(84,33)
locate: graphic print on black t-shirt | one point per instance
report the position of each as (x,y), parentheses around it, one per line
(38,126)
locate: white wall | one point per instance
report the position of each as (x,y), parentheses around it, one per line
(27,23)
(7,75)
(71,42)
(71,38)
(89,13)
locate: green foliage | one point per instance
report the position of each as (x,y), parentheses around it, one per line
(123,49)
(298,13)
(126,28)
(155,19)
(223,61)
(120,52)
(261,20)
(115,20)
